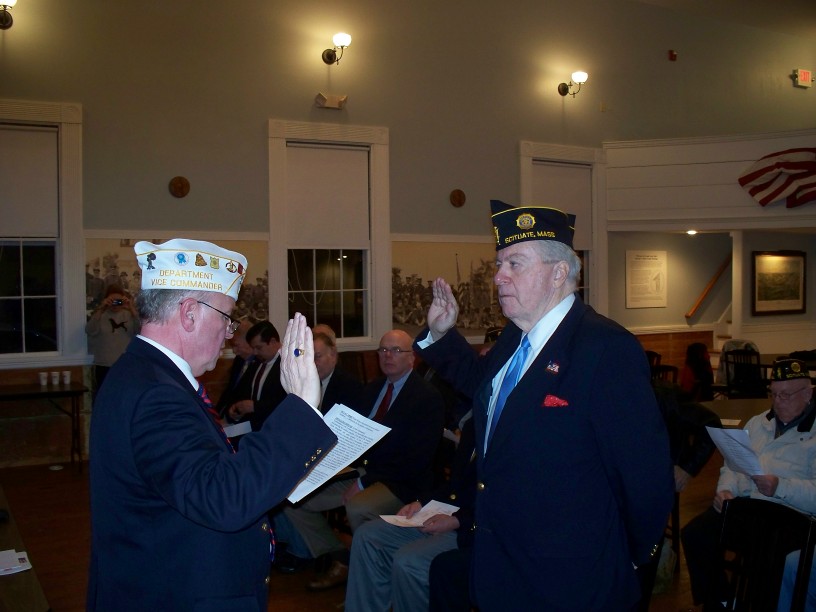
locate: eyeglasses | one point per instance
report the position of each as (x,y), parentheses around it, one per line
(394,350)
(782,395)
(233,323)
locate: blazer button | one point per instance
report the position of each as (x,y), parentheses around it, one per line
(365,462)
(306,464)
(318,451)
(314,457)
(266,580)
(480,486)
(265,527)
(453,496)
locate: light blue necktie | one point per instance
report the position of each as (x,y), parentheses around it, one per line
(509,382)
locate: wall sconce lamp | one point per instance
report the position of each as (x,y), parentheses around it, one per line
(341,40)
(578,78)
(5,16)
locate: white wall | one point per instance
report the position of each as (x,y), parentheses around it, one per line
(177,87)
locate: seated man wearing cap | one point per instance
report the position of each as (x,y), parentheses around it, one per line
(783,438)
(170,498)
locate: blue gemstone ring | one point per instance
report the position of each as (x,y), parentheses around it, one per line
(298,352)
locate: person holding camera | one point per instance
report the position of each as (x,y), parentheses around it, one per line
(109,330)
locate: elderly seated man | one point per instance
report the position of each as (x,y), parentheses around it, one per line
(783,438)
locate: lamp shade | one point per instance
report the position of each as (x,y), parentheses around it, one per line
(341,39)
(8,3)
(580,77)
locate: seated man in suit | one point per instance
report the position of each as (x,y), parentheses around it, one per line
(243,364)
(337,386)
(390,564)
(262,394)
(395,471)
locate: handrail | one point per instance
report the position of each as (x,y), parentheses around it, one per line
(723,267)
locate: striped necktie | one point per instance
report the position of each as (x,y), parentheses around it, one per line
(208,407)
(511,378)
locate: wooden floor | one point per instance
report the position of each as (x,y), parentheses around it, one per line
(51,510)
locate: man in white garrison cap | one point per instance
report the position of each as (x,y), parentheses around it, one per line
(178,517)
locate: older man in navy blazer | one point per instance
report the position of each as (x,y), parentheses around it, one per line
(178,517)
(575,479)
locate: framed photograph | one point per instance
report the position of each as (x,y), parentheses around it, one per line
(778,283)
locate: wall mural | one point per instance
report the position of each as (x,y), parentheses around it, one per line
(111,261)
(468,267)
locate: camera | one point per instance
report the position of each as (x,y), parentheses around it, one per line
(116,302)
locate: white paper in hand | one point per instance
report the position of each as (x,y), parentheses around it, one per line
(355,435)
(735,448)
(430,509)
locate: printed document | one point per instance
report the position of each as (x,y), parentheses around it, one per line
(735,448)
(12,562)
(355,435)
(430,509)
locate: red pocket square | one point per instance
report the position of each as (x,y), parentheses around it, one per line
(552,401)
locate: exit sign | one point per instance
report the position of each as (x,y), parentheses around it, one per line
(802,77)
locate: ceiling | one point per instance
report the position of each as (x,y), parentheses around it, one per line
(794,17)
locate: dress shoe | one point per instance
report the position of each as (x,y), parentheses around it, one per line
(336,576)
(287,563)
(323,563)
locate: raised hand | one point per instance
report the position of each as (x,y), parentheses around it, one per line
(298,370)
(443,311)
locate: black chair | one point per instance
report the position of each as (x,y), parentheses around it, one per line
(744,374)
(757,536)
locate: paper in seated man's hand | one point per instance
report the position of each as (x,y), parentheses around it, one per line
(409,510)
(766,484)
(440,523)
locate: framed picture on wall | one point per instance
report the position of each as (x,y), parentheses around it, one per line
(778,283)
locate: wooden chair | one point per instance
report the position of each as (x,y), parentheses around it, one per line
(665,374)
(654,359)
(744,374)
(492,334)
(757,535)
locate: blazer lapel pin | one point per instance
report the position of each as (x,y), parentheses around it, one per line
(553,367)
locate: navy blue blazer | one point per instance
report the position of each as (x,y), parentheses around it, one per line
(169,499)
(343,388)
(403,459)
(577,483)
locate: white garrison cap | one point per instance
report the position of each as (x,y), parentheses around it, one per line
(191,265)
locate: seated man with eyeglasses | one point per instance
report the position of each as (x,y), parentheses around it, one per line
(395,471)
(783,438)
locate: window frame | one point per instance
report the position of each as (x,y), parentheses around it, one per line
(67,118)
(378,264)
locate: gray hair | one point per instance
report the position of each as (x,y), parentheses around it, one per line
(158,305)
(552,251)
